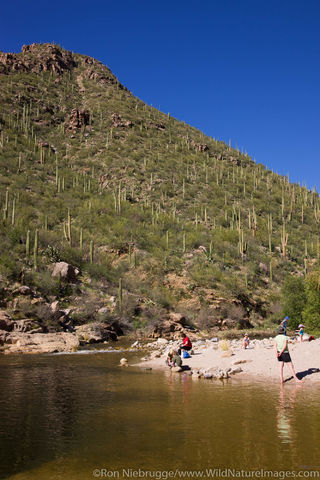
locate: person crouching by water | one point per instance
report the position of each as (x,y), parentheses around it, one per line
(186,344)
(283,355)
(246,341)
(169,360)
(176,362)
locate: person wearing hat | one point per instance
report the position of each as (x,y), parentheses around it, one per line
(283,355)
(300,332)
(284,324)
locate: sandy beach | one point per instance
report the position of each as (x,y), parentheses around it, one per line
(258,361)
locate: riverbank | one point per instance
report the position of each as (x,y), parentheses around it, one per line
(213,359)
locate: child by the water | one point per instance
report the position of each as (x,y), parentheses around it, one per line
(283,355)
(300,332)
(174,359)
(246,341)
(169,361)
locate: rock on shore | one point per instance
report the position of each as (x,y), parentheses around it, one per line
(18,342)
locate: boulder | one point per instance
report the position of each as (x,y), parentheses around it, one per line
(238,362)
(98,332)
(54,307)
(162,341)
(3,336)
(104,310)
(263,268)
(235,370)
(229,323)
(23,290)
(18,342)
(123,362)
(6,322)
(177,318)
(66,271)
(27,325)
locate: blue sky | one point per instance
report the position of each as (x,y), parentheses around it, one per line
(243,70)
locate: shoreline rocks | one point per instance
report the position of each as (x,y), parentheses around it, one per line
(17,342)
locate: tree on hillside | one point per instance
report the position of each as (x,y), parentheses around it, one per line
(294,300)
(311,312)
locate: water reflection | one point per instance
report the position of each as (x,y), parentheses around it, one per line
(287,399)
(64,416)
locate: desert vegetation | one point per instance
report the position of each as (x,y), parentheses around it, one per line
(151,211)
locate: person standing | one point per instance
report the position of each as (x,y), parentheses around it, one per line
(284,324)
(300,332)
(283,355)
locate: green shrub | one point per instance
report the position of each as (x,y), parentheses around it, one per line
(294,300)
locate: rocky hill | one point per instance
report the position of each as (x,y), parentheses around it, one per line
(123,214)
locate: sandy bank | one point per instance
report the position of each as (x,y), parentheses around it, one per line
(257,361)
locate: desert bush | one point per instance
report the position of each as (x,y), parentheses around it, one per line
(294,299)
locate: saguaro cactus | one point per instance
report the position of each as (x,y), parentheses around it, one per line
(91,251)
(81,239)
(35,251)
(284,239)
(28,244)
(184,243)
(13,213)
(120,294)
(69,228)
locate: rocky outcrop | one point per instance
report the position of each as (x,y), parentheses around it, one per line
(98,332)
(95,70)
(117,121)
(77,119)
(24,290)
(17,342)
(172,327)
(158,126)
(200,147)
(6,322)
(66,272)
(38,58)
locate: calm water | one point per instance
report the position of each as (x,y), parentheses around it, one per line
(62,416)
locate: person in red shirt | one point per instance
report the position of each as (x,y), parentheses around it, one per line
(186,344)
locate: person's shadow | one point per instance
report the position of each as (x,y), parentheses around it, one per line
(304,373)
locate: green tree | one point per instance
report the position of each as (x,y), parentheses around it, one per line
(294,299)
(311,312)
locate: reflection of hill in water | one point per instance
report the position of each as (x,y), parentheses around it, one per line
(63,416)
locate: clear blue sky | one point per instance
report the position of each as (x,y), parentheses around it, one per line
(243,70)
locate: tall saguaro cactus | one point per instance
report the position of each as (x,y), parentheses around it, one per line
(35,250)
(284,240)
(120,294)
(91,251)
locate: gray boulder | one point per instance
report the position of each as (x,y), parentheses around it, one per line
(66,271)
(6,322)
